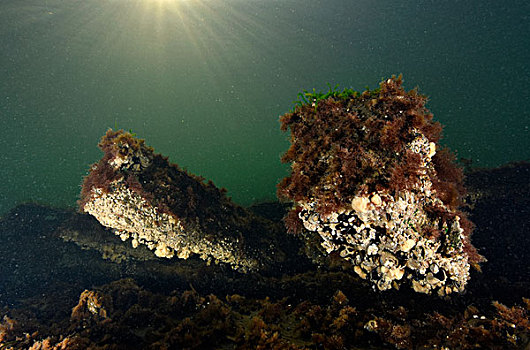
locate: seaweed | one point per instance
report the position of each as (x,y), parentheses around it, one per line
(314,97)
(342,135)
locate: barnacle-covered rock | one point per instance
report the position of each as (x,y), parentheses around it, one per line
(144,198)
(367,179)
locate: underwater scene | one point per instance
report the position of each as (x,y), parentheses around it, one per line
(264,174)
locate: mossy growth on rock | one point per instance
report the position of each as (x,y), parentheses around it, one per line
(357,142)
(368,176)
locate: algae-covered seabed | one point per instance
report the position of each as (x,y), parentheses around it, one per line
(67,283)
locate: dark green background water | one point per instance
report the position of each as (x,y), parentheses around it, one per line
(205,81)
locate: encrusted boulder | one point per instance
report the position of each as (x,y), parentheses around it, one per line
(144,198)
(370,183)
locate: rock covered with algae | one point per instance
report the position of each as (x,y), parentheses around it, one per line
(144,198)
(371,184)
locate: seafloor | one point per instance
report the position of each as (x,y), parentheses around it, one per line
(68,283)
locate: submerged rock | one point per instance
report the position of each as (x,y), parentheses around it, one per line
(146,199)
(370,182)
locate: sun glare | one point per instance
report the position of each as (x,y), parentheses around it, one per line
(202,35)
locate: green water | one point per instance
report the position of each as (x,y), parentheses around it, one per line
(205,81)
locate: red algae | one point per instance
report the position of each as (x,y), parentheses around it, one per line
(369,181)
(362,138)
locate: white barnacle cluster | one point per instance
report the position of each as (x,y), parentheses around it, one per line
(133,217)
(421,145)
(385,237)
